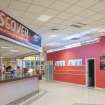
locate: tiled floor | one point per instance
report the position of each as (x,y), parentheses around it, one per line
(61,94)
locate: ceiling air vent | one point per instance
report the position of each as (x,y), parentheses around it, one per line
(54,29)
(83,24)
(76,25)
(75,38)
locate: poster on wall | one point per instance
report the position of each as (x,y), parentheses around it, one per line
(102,62)
(11,28)
(75,62)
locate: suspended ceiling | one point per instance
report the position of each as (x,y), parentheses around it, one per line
(62,19)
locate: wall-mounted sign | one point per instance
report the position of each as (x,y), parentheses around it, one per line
(102,63)
(11,28)
(59,63)
(71,62)
(75,62)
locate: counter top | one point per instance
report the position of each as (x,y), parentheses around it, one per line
(17,78)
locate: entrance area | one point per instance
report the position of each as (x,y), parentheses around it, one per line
(91,73)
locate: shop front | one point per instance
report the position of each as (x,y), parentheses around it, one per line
(20,49)
(83,65)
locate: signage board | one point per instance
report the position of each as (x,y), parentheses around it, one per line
(102,62)
(11,28)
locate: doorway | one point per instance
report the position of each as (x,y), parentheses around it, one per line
(91,72)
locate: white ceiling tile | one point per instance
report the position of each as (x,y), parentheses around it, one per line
(87,21)
(54,26)
(18,5)
(50,12)
(74,9)
(72,30)
(38,23)
(57,5)
(97,17)
(32,16)
(97,24)
(69,1)
(65,15)
(45,3)
(67,22)
(61,27)
(77,19)
(56,21)
(50,25)
(86,3)
(98,7)
(35,9)
(86,13)
(28,1)
(102,21)
(28,21)
(4,3)
(16,12)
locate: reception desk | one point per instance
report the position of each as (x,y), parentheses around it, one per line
(17,88)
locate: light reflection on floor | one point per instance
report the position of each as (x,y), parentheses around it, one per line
(61,94)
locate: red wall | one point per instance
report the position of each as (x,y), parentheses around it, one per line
(78,74)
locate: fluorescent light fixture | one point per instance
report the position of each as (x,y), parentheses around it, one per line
(14,50)
(65,47)
(44,18)
(53,44)
(73,45)
(91,41)
(94,30)
(53,36)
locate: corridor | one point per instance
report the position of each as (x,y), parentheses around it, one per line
(56,93)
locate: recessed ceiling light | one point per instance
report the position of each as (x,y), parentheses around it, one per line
(53,36)
(53,44)
(73,45)
(68,37)
(44,18)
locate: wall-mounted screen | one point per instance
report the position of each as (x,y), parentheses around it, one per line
(59,63)
(102,62)
(75,62)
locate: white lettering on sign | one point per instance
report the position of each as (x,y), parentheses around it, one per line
(71,62)
(10,24)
